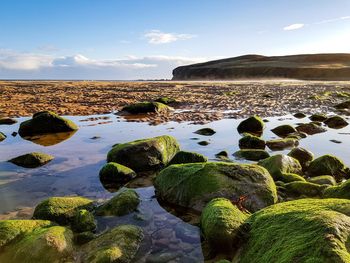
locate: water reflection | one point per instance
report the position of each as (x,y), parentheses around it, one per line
(50,139)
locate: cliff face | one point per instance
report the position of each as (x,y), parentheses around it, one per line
(304,67)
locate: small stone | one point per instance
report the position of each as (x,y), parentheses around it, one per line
(205,131)
(203,143)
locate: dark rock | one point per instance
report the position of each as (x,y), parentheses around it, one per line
(336,122)
(252,154)
(146,107)
(251,142)
(205,131)
(284,130)
(32,160)
(7,121)
(253,125)
(188,157)
(310,128)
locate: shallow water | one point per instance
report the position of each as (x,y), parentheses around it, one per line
(78,159)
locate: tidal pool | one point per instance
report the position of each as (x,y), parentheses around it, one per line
(79,157)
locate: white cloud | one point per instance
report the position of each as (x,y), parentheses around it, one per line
(332,20)
(157,37)
(293,27)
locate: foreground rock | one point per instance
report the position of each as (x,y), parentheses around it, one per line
(251,142)
(305,230)
(146,107)
(281,144)
(146,154)
(32,160)
(220,223)
(252,154)
(46,122)
(302,155)
(253,125)
(323,180)
(194,185)
(188,157)
(304,189)
(115,175)
(339,191)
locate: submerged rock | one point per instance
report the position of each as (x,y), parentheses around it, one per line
(188,157)
(310,128)
(146,154)
(7,121)
(284,130)
(115,175)
(305,230)
(32,160)
(281,144)
(253,124)
(124,203)
(302,155)
(323,180)
(119,244)
(194,185)
(252,154)
(251,142)
(336,122)
(220,223)
(2,136)
(146,107)
(205,131)
(46,122)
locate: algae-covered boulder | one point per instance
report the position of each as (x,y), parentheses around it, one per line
(304,188)
(46,122)
(339,191)
(249,141)
(328,165)
(281,164)
(118,245)
(2,136)
(188,157)
(284,130)
(302,155)
(318,117)
(253,124)
(252,154)
(305,230)
(290,177)
(194,185)
(61,209)
(115,175)
(281,144)
(146,107)
(220,223)
(205,131)
(310,128)
(83,221)
(146,154)
(32,160)
(336,122)
(323,180)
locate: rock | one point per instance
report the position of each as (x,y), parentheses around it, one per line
(83,221)
(284,130)
(83,237)
(253,125)
(310,128)
(46,122)
(252,154)
(281,144)
(281,164)
(203,143)
(343,105)
(166,100)
(251,142)
(205,132)
(222,155)
(124,203)
(7,121)
(285,232)
(323,180)
(220,223)
(2,136)
(194,185)
(304,188)
(146,107)
(302,155)
(336,122)
(339,191)
(115,175)
(119,244)
(32,160)
(289,177)
(318,117)
(163,257)
(335,141)
(188,157)
(328,165)
(61,209)
(299,115)
(146,154)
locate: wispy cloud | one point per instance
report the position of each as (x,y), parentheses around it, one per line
(158,37)
(293,27)
(332,20)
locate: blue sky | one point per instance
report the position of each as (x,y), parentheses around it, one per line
(110,39)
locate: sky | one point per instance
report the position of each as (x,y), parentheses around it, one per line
(134,39)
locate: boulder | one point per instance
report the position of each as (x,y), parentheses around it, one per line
(46,122)
(281,144)
(339,191)
(310,128)
(305,230)
(146,154)
(290,177)
(323,180)
(115,175)
(124,203)
(7,121)
(252,154)
(83,221)
(253,125)
(120,244)
(336,122)
(146,107)
(205,132)
(32,160)
(194,185)
(61,209)
(302,155)
(188,157)
(222,155)
(251,142)
(220,223)
(318,117)
(2,136)
(284,130)
(304,188)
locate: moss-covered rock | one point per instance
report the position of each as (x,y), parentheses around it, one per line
(323,180)
(343,105)
(166,100)
(328,165)
(194,185)
(249,141)
(7,121)
(222,155)
(339,191)
(46,122)
(290,177)
(2,136)
(220,223)
(252,154)
(115,175)
(253,125)
(281,164)
(205,131)
(83,221)
(118,245)
(310,128)
(318,117)
(302,155)
(83,237)
(32,160)
(61,209)
(336,122)
(284,130)
(281,144)
(124,203)
(305,230)
(188,157)
(146,107)
(146,154)
(304,188)
(299,115)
